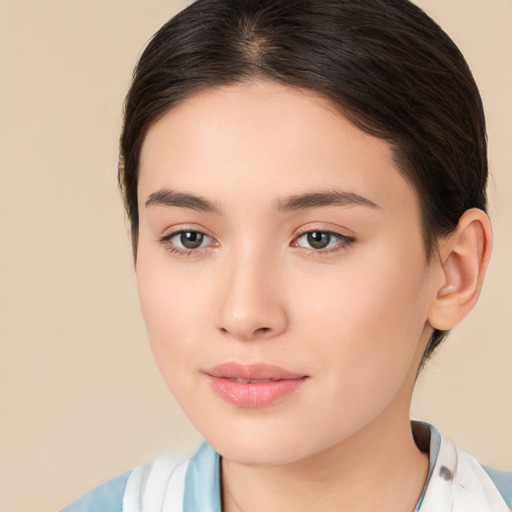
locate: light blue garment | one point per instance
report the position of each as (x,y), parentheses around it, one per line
(503,482)
(202,489)
(108,497)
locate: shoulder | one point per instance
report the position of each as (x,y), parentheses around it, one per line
(168,483)
(146,486)
(108,497)
(503,482)
(459,482)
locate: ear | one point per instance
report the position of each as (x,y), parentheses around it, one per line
(463,260)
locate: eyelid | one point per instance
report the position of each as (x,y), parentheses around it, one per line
(171,231)
(324,227)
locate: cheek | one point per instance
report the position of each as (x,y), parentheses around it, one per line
(366,322)
(173,312)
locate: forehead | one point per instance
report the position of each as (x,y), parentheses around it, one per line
(267,137)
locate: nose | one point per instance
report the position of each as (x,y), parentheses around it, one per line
(252,303)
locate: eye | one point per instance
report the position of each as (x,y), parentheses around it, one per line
(187,240)
(322,240)
(191,239)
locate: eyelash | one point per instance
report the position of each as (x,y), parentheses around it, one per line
(167,243)
(343,242)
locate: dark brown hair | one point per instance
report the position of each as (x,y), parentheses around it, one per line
(384,64)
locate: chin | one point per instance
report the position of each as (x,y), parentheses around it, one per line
(254,454)
(262,445)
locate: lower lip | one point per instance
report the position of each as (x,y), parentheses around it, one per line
(249,395)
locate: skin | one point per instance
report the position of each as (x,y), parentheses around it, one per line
(353,317)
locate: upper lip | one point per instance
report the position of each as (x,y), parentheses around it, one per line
(258,371)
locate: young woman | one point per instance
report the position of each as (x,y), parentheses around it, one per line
(305,182)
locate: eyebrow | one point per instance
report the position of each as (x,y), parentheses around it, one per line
(319,199)
(166,197)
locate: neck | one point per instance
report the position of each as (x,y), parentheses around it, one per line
(379,468)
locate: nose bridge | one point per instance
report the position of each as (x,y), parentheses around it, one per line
(252,303)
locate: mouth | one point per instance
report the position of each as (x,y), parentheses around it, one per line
(253,386)
(253,381)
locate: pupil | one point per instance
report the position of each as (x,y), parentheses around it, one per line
(318,240)
(191,239)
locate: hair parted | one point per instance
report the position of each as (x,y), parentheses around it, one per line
(384,64)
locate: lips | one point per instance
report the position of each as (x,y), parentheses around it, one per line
(255,385)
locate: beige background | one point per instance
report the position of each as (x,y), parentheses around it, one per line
(80,399)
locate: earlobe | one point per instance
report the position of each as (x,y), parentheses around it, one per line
(463,260)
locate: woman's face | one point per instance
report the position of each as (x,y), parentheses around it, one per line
(281,272)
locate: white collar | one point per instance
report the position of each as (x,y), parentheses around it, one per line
(458,483)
